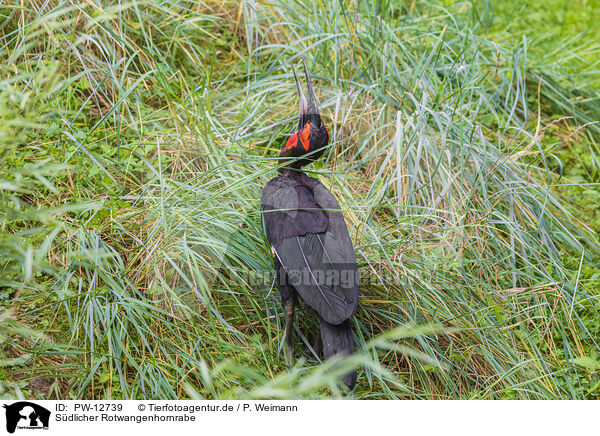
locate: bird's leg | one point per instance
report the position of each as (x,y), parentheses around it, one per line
(289,307)
(317,344)
(288,299)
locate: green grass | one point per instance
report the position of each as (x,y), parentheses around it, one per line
(135,144)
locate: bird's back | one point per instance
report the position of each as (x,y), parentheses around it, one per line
(305,226)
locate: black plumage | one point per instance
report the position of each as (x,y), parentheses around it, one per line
(313,254)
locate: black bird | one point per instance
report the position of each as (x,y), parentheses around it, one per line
(313,255)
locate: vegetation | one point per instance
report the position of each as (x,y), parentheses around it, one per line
(134,144)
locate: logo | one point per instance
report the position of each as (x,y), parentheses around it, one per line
(26,415)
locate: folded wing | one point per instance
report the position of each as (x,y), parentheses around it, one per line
(304,224)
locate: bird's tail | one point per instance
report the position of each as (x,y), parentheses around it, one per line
(337,339)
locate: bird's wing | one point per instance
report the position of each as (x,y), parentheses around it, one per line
(289,210)
(319,262)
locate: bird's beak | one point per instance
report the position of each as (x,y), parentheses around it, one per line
(311,105)
(309,109)
(301,98)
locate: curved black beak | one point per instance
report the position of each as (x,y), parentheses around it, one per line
(309,110)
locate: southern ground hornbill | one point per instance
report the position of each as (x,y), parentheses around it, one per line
(313,255)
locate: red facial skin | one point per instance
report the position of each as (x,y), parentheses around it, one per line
(304,138)
(309,140)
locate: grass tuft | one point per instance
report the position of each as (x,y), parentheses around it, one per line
(136,139)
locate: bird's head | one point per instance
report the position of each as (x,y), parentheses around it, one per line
(309,141)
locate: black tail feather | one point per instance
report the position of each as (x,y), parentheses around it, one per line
(337,339)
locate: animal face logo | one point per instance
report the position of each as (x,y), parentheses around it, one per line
(26,415)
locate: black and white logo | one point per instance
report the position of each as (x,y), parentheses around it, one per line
(26,415)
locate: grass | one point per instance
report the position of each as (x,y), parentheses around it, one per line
(136,140)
